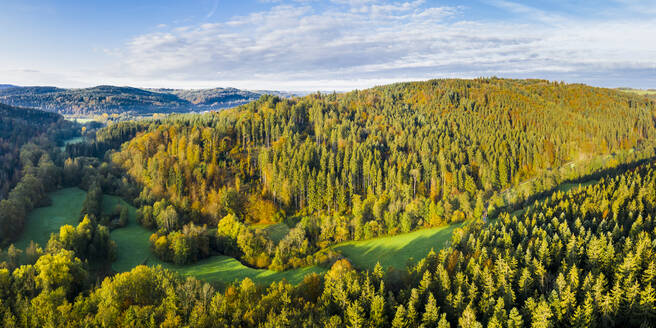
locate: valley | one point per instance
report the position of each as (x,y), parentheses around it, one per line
(327,164)
(133,248)
(446,194)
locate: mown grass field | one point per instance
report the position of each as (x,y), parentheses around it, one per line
(41,222)
(565,187)
(642,92)
(396,251)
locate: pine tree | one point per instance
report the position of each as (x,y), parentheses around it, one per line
(541,315)
(431,312)
(400,320)
(647,305)
(468,319)
(354,315)
(377,314)
(515,319)
(444,323)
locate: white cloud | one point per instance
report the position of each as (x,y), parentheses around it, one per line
(359,43)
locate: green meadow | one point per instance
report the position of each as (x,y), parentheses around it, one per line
(564,187)
(224,270)
(276,231)
(393,251)
(133,246)
(41,222)
(65,209)
(396,251)
(71,141)
(642,92)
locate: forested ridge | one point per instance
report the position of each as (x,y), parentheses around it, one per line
(354,166)
(368,163)
(106,99)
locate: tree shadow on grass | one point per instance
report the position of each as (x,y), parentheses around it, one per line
(396,251)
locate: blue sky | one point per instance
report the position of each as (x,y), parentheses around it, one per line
(324,45)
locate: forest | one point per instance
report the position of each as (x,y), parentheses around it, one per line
(583,258)
(18,126)
(107,99)
(484,156)
(368,163)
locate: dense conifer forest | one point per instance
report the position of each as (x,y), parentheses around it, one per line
(368,163)
(488,154)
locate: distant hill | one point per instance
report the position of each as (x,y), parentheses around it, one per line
(116,100)
(5,86)
(26,115)
(19,126)
(209,99)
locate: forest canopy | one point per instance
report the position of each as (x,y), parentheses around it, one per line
(376,162)
(340,167)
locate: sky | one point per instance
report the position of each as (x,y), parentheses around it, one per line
(306,45)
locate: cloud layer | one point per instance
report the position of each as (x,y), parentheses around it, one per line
(344,44)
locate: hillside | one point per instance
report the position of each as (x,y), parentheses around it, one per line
(205,99)
(19,126)
(370,163)
(345,178)
(352,182)
(117,100)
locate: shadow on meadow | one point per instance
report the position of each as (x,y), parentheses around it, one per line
(396,251)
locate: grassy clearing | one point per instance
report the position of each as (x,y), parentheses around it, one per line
(224,270)
(133,247)
(276,231)
(81,120)
(132,241)
(565,187)
(396,251)
(41,222)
